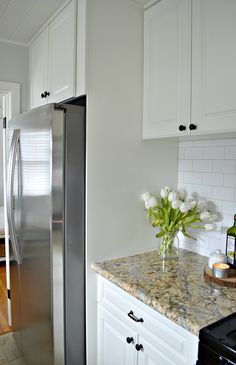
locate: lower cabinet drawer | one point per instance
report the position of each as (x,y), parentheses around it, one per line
(163,338)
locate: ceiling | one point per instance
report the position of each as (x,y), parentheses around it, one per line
(21,19)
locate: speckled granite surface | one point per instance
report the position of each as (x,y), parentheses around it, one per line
(178,290)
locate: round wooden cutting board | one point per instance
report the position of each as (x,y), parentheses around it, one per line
(230,281)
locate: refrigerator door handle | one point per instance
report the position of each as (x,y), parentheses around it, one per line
(10,199)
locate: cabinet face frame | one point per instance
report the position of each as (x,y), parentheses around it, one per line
(163,125)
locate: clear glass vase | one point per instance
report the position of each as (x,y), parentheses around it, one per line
(169,246)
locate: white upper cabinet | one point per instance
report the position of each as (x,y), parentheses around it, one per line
(38,68)
(214,66)
(189,68)
(167,39)
(61,70)
(52,59)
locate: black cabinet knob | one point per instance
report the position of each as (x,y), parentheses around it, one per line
(129,340)
(182,127)
(45,94)
(139,347)
(192,126)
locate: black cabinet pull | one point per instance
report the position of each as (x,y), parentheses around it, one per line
(134,318)
(139,347)
(129,340)
(192,126)
(43,95)
(182,128)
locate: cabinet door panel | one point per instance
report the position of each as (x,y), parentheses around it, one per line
(112,346)
(150,355)
(38,68)
(213,66)
(167,56)
(62,55)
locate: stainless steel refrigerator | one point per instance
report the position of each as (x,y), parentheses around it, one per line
(46,214)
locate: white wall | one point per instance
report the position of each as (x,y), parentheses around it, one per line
(120,164)
(13,68)
(1,166)
(208,168)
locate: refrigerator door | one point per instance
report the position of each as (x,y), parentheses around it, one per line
(15,200)
(41,130)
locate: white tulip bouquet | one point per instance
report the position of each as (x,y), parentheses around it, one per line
(175,212)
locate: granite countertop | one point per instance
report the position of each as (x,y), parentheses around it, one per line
(177,290)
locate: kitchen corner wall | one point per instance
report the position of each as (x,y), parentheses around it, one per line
(120,165)
(13,68)
(208,168)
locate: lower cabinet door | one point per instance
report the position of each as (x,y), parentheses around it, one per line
(150,355)
(116,341)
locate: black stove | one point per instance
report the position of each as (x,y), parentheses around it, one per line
(217,343)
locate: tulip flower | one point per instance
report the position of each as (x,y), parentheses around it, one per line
(146,196)
(185,207)
(176,204)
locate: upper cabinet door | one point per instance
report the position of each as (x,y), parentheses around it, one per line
(61,73)
(167,59)
(38,68)
(214,66)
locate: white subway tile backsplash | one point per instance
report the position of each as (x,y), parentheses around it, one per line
(229,207)
(207,169)
(180,177)
(230,180)
(230,153)
(201,191)
(210,142)
(181,153)
(193,153)
(225,142)
(227,221)
(224,166)
(213,153)
(202,165)
(192,177)
(211,178)
(222,193)
(185,165)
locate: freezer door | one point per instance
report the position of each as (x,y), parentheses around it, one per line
(15,200)
(37,141)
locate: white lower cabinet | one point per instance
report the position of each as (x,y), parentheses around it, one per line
(131,333)
(116,341)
